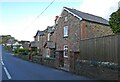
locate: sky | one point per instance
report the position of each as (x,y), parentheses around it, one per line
(22,19)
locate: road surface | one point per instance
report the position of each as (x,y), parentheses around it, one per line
(17,69)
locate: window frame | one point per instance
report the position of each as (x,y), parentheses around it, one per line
(65,31)
(66,19)
(38,38)
(66,51)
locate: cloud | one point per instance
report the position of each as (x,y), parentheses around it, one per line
(101,8)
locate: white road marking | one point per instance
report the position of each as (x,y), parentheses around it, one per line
(7,73)
(2,62)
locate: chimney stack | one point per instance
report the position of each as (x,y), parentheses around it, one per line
(56,17)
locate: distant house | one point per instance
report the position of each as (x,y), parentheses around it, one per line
(16,45)
(32,44)
(73,26)
(50,43)
(24,44)
(40,40)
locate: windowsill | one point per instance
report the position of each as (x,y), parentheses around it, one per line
(65,37)
(65,56)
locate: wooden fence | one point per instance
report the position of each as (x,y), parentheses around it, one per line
(101,49)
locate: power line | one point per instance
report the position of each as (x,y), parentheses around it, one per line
(40,14)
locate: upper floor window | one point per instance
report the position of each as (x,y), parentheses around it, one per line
(65,31)
(38,38)
(66,19)
(48,36)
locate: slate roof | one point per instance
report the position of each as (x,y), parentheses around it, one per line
(32,44)
(50,29)
(87,16)
(39,33)
(49,44)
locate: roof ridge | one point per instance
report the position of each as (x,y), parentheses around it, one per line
(88,16)
(86,13)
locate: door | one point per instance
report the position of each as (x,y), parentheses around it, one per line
(66,58)
(61,59)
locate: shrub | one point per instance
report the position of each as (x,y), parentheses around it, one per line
(34,53)
(8,48)
(20,51)
(16,51)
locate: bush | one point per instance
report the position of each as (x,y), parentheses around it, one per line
(8,48)
(34,53)
(20,51)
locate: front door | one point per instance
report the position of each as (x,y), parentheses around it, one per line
(66,63)
(61,59)
(66,57)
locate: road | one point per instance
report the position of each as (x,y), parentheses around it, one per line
(17,69)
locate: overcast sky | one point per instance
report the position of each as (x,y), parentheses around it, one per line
(16,16)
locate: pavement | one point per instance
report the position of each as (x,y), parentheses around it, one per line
(17,69)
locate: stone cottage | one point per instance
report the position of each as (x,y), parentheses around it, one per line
(45,42)
(49,45)
(71,27)
(40,39)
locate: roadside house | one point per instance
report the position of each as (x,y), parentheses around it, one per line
(32,45)
(49,45)
(24,44)
(40,39)
(73,26)
(16,45)
(32,48)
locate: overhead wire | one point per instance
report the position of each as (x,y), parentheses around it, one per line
(39,14)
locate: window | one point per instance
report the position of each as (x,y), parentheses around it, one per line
(65,50)
(65,31)
(38,48)
(66,19)
(38,37)
(48,36)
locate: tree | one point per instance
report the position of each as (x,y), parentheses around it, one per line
(115,21)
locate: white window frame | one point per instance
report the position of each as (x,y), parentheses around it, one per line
(38,47)
(65,31)
(65,49)
(48,36)
(66,19)
(38,38)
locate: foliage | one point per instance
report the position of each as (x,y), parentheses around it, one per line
(21,51)
(33,51)
(8,48)
(115,21)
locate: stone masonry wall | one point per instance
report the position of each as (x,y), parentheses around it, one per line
(73,32)
(92,30)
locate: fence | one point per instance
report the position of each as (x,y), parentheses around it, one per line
(99,57)
(100,49)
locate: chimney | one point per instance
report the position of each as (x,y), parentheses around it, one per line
(56,17)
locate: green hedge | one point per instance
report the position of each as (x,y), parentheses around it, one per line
(21,51)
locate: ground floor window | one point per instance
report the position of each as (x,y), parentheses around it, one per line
(65,50)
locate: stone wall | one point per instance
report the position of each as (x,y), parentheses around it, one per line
(92,30)
(96,70)
(51,62)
